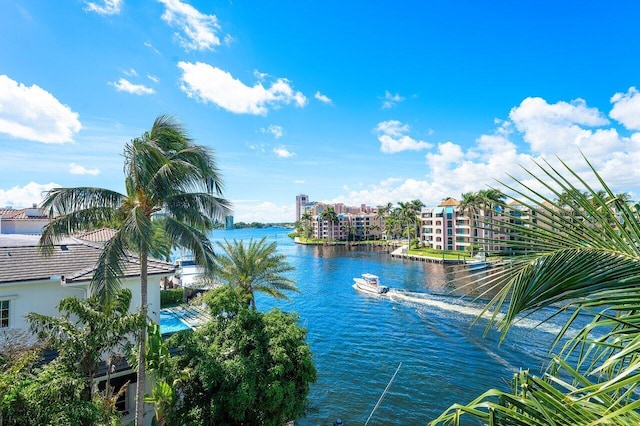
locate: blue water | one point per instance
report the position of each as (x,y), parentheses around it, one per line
(171,323)
(358,340)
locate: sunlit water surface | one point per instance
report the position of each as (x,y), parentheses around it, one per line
(359,340)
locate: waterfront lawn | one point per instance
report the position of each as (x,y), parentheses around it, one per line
(440,254)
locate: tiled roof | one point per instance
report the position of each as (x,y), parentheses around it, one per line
(24,214)
(449,202)
(98,235)
(73,259)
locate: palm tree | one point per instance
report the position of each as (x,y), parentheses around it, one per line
(392,224)
(349,229)
(331,217)
(256,267)
(589,268)
(306,218)
(408,212)
(490,199)
(417,206)
(469,204)
(165,173)
(86,331)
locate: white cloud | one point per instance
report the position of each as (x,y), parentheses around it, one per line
(275,130)
(389,100)
(282,152)
(124,85)
(153,78)
(150,46)
(626,108)
(393,137)
(34,114)
(106,7)
(299,181)
(198,31)
(547,126)
(262,76)
(265,212)
(25,196)
(210,84)
(564,130)
(383,192)
(76,169)
(130,72)
(322,98)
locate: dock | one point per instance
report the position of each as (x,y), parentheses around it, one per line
(400,253)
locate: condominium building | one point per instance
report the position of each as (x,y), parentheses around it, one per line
(301,201)
(446,227)
(354,223)
(449,227)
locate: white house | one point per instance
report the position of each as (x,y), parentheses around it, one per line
(31,282)
(23,221)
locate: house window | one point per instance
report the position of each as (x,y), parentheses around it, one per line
(4,314)
(123,402)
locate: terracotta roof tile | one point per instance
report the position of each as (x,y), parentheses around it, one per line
(97,235)
(449,202)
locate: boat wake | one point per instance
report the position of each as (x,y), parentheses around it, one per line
(465,307)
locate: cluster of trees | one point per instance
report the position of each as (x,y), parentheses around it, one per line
(402,220)
(243,366)
(167,176)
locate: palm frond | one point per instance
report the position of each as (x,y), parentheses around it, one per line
(576,253)
(76,209)
(110,267)
(254,267)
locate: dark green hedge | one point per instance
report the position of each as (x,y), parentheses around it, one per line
(170,297)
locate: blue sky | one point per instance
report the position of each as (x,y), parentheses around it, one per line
(354,102)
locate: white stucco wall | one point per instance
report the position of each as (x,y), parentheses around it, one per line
(43,297)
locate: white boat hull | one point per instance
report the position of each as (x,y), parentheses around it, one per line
(366,287)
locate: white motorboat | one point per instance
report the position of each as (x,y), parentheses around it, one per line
(479,262)
(188,273)
(370,283)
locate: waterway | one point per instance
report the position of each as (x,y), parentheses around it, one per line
(359,340)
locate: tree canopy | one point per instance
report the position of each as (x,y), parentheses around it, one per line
(247,367)
(255,267)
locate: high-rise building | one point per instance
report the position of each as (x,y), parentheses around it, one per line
(228,222)
(301,200)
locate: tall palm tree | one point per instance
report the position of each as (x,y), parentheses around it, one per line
(306,218)
(470,202)
(408,211)
(490,199)
(589,268)
(331,217)
(382,214)
(256,267)
(165,174)
(349,229)
(417,206)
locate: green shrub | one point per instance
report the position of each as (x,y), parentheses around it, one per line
(171,297)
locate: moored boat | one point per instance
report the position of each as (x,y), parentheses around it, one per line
(479,262)
(370,283)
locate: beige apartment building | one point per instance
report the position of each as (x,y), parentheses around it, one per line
(449,227)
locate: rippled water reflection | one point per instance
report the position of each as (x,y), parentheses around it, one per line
(358,340)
